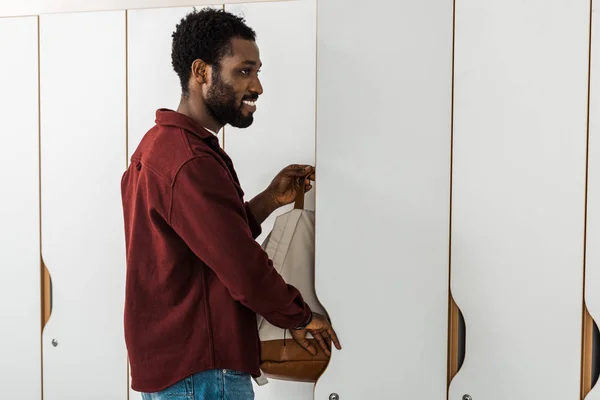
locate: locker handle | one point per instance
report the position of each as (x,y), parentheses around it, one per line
(46,291)
(299,203)
(590,358)
(456,340)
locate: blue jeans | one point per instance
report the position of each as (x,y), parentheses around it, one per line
(208,385)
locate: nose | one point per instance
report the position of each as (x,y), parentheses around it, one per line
(256,86)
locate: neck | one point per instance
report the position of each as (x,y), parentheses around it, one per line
(196,110)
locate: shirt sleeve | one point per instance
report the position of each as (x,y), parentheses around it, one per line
(255,227)
(208,214)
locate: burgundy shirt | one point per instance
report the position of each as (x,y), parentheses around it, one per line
(196,277)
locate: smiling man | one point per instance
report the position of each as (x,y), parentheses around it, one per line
(196,277)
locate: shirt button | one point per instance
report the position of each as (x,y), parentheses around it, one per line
(224,371)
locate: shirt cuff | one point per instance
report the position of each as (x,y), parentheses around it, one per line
(307,320)
(255,227)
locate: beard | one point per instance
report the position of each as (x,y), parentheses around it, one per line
(221,103)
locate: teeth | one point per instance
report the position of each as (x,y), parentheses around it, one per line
(250,103)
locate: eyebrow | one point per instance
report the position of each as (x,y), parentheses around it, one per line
(251,62)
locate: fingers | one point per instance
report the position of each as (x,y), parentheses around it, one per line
(304,343)
(319,338)
(334,338)
(302,170)
(327,339)
(307,186)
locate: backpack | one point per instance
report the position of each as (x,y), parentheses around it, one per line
(291,247)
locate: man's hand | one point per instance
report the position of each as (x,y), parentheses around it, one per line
(287,183)
(282,190)
(321,330)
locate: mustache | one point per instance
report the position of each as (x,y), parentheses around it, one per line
(252,97)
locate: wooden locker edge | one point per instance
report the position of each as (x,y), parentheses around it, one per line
(46,309)
(587,351)
(587,342)
(128,364)
(44,275)
(45,289)
(453,340)
(46,294)
(453,310)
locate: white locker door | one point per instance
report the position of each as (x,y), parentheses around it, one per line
(152,82)
(20,313)
(283,131)
(521,71)
(384,82)
(592,264)
(83,147)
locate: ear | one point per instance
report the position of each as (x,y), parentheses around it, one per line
(200,71)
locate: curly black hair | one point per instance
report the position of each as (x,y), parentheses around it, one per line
(205,34)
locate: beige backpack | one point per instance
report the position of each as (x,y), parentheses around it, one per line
(291,247)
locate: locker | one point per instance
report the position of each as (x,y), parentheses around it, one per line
(20,290)
(518,196)
(592,255)
(83,155)
(382,203)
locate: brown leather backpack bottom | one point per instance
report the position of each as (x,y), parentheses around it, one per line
(291,362)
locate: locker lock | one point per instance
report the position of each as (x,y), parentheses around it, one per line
(467,397)
(334,396)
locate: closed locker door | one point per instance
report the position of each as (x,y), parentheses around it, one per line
(384,80)
(520,110)
(83,156)
(283,131)
(20,304)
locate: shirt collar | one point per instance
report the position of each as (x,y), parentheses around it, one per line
(211,131)
(167,117)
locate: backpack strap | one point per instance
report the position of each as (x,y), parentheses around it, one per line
(299,205)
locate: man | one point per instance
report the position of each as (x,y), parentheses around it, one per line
(196,277)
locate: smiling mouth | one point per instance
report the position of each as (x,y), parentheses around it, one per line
(249,105)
